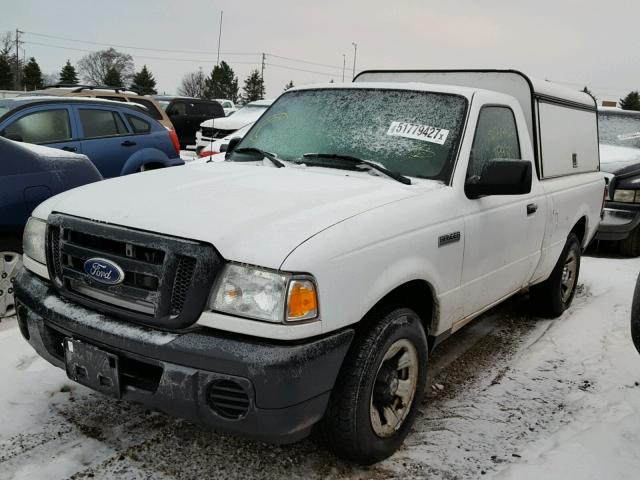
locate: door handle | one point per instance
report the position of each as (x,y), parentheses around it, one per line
(69,149)
(532,208)
(128,143)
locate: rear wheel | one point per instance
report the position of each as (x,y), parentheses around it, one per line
(630,246)
(379,390)
(553,296)
(10,263)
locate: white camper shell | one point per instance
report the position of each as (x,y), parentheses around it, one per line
(548,108)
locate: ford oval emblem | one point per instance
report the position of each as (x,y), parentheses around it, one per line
(103,271)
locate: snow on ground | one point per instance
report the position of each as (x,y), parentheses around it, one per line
(510,396)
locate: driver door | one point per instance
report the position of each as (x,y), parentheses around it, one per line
(503,232)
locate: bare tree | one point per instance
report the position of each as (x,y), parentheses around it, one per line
(95,66)
(193,85)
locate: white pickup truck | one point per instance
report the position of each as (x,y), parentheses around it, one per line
(304,282)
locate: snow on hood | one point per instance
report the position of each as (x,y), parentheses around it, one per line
(251,213)
(49,152)
(614,158)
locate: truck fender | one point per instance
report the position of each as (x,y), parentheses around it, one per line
(142,157)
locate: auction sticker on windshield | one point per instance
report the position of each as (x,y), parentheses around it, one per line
(425,133)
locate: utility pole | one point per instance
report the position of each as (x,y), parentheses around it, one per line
(344,64)
(18,32)
(264,57)
(219,38)
(355,53)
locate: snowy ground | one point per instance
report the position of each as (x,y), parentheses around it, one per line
(511,396)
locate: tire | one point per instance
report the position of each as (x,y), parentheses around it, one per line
(630,246)
(553,296)
(370,379)
(10,264)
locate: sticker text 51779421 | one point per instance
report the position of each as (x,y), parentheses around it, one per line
(425,133)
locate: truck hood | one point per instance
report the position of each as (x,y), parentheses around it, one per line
(615,159)
(252,213)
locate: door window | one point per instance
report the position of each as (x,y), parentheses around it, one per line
(101,123)
(44,126)
(209,110)
(496,137)
(177,108)
(139,125)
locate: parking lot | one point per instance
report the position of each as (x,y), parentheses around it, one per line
(509,396)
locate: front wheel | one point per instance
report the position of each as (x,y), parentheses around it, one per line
(553,296)
(378,392)
(10,263)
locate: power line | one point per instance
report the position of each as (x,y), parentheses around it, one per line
(197,52)
(300,69)
(304,61)
(193,60)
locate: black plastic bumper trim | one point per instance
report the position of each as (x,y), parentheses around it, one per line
(288,383)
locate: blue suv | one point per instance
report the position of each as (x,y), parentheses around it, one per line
(118,138)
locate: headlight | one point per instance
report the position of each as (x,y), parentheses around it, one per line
(263,294)
(626,196)
(33,240)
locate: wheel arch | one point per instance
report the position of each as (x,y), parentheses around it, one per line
(580,230)
(419,295)
(145,156)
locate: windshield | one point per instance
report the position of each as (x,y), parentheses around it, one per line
(164,104)
(409,132)
(3,110)
(619,129)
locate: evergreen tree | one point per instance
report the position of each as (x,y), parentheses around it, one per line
(68,74)
(222,83)
(6,75)
(289,85)
(144,83)
(253,87)
(631,101)
(31,75)
(113,78)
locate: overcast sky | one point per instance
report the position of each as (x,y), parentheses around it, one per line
(579,42)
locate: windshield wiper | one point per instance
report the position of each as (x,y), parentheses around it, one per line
(268,155)
(358,161)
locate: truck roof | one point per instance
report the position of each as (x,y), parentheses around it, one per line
(511,82)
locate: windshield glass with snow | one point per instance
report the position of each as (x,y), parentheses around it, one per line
(409,132)
(619,129)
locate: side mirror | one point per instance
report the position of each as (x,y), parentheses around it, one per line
(231,146)
(501,177)
(13,136)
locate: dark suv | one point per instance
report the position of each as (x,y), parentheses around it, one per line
(619,132)
(187,114)
(119,138)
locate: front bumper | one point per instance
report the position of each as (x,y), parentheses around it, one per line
(617,224)
(287,384)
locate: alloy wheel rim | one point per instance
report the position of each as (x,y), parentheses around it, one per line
(10,263)
(394,388)
(569,277)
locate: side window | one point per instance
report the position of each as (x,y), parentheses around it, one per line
(139,125)
(208,109)
(177,108)
(496,137)
(101,123)
(151,108)
(45,126)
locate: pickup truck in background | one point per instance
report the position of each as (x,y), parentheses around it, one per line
(348,233)
(619,132)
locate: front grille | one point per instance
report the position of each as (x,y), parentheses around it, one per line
(216,133)
(228,399)
(184,274)
(166,279)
